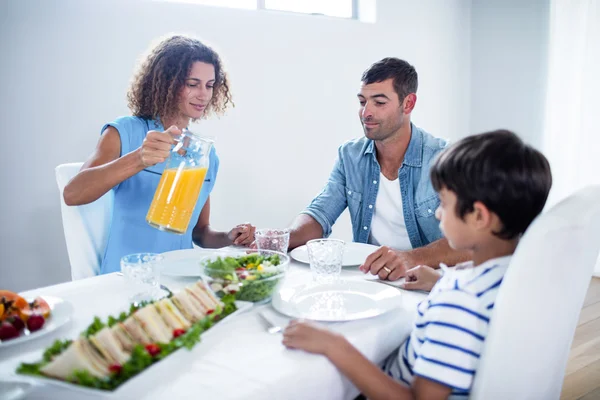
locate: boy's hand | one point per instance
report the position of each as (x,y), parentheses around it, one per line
(242,235)
(309,337)
(421,277)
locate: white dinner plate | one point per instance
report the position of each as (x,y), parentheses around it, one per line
(341,301)
(61,312)
(13,389)
(186,263)
(354,253)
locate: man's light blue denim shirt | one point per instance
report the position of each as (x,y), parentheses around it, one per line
(354,182)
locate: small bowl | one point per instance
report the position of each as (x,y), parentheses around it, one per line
(252,275)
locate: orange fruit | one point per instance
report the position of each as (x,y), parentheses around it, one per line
(18,301)
(38,306)
(12,303)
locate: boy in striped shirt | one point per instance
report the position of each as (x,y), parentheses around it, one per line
(491,187)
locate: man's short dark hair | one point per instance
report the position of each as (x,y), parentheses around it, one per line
(497,169)
(404,75)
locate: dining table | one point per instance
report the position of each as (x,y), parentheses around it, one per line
(238,358)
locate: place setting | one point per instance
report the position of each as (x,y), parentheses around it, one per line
(327,295)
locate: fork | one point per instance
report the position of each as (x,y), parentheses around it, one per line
(271,327)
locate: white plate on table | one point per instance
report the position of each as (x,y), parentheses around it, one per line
(354,253)
(14,390)
(186,263)
(340,301)
(61,312)
(157,370)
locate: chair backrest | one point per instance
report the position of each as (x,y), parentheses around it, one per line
(538,305)
(86,227)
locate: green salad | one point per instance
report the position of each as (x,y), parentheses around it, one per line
(251,277)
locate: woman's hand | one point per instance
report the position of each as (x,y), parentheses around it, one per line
(421,277)
(242,235)
(156,146)
(309,337)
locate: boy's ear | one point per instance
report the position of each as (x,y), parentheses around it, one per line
(482,216)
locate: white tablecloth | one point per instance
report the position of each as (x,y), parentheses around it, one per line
(237,359)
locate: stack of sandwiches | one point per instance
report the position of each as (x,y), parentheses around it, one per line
(154,323)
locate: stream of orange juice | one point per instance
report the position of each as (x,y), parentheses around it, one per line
(175,199)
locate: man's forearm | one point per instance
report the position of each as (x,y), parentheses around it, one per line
(439,252)
(303,229)
(366,376)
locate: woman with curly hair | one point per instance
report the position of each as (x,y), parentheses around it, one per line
(181,80)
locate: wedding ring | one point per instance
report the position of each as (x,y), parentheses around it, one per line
(386,269)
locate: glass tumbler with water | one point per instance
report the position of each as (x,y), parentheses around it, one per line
(325,258)
(142,273)
(272,239)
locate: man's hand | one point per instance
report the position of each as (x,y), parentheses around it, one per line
(421,277)
(388,263)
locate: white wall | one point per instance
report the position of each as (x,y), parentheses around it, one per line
(509,46)
(66,65)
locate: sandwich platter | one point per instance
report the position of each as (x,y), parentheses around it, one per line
(109,355)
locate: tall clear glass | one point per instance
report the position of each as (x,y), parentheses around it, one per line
(179,187)
(142,273)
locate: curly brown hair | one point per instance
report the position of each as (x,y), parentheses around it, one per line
(156,84)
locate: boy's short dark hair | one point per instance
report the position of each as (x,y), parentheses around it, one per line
(496,168)
(403,74)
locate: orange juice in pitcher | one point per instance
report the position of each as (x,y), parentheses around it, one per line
(179,187)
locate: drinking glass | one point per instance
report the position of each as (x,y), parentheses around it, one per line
(325,258)
(142,273)
(272,239)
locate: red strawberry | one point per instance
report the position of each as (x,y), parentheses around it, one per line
(8,331)
(35,322)
(178,332)
(152,349)
(115,368)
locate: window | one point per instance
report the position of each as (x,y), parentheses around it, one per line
(249,4)
(334,8)
(363,10)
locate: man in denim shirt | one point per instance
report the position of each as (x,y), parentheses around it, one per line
(383,178)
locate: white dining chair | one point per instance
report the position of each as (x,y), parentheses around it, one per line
(86,227)
(538,305)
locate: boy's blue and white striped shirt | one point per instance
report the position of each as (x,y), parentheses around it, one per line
(450,327)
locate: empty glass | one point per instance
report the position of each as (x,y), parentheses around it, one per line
(272,239)
(142,273)
(325,258)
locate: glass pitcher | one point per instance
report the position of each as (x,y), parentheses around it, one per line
(177,192)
